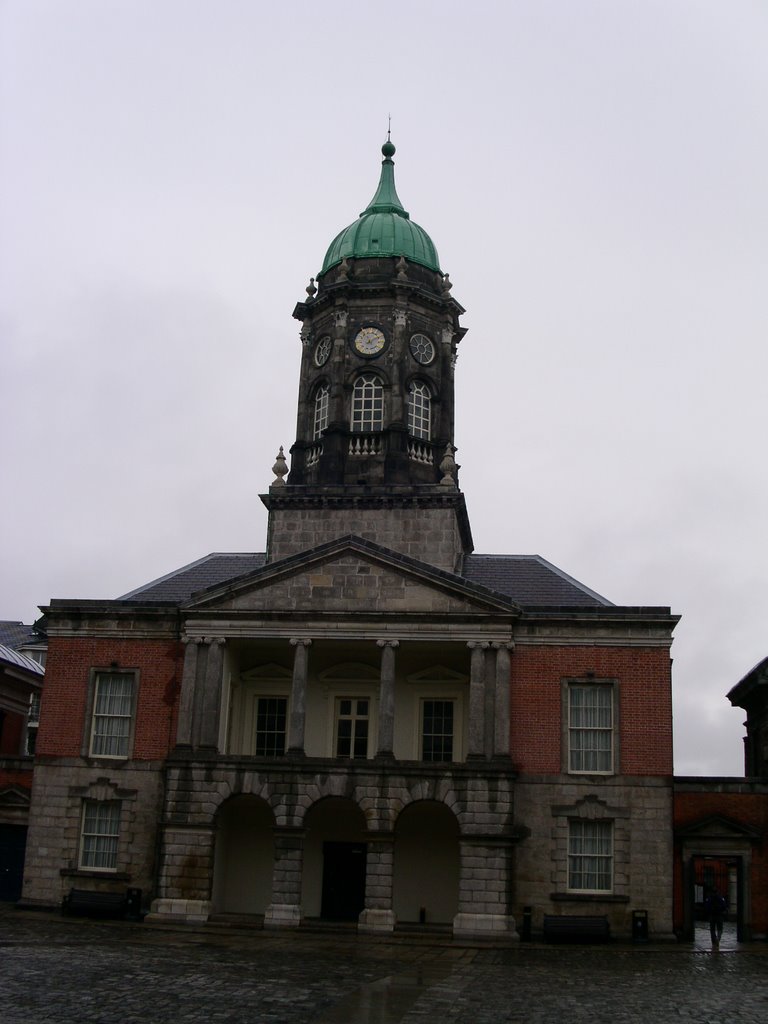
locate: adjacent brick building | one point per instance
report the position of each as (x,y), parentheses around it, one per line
(21,678)
(367,721)
(721,827)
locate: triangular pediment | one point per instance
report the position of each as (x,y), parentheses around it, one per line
(14,797)
(352,576)
(716,826)
(263,673)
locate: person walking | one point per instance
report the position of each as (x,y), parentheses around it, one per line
(715,906)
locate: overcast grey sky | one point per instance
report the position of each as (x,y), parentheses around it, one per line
(593,174)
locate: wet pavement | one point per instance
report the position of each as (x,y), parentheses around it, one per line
(57,971)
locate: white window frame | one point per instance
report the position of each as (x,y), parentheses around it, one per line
(590,855)
(112,727)
(99,835)
(578,732)
(419,410)
(367,404)
(322,407)
(354,717)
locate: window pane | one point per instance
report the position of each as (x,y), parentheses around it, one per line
(367,404)
(270,726)
(437,730)
(590,855)
(101,824)
(419,411)
(321,411)
(112,712)
(590,733)
(352,727)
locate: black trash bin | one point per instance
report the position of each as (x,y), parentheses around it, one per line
(639,925)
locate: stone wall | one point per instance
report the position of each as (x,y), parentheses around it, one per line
(428,534)
(53,842)
(640,810)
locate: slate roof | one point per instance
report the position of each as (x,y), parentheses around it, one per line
(178,586)
(529,580)
(17,634)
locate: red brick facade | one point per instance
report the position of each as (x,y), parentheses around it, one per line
(644,704)
(63,724)
(732,815)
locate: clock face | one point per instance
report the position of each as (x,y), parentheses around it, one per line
(322,351)
(369,341)
(422,349)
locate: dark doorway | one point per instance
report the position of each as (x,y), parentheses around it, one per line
(13,842)
(724,874)
(343,881)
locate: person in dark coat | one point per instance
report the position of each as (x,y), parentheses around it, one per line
(715,906)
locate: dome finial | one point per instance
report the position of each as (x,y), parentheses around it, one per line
(388,149)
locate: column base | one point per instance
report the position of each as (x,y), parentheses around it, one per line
(376,921)
(484,926)
(181,911)
(282,915)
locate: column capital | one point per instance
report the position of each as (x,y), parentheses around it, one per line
(192,639)
(505,646)
(216,641)
(482,645)
(299,641)
(387,643)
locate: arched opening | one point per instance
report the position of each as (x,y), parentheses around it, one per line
(427,864)
(367,404)
(333,883)
(244,856)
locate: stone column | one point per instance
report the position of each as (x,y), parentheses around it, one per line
(503,683)
(378,915)
(285,909)
(476,745)
(384,747)
(187,701)
(483,889)
(211,703)
(298,697)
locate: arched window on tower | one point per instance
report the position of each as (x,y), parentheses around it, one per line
(321,412)
(367,404)
(419,411)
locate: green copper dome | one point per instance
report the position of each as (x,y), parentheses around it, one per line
(383,228)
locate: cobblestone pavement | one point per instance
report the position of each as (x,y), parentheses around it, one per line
(62,971)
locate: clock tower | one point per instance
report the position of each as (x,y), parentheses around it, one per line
(374,449)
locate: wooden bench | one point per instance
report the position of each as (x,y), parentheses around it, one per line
(95,904)
(576,928)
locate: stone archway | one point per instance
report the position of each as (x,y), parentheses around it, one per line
(335,854)
(243,856)
(426,864)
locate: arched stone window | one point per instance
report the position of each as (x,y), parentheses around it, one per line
(321,411)
(419,411)
(367,404)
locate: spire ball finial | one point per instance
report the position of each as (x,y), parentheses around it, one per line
(388,149)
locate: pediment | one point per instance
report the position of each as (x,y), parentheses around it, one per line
(437,674)
(13,797)
(716,826)
(352,576)
(269,672)
(350,672)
